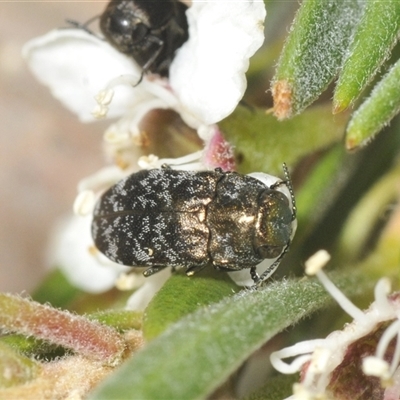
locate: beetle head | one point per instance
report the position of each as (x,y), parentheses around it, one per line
(127,23)
(274,224)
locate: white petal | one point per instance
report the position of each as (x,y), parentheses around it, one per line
(70,252)
(77,65)
(243,277)
(142,297)
(208,72)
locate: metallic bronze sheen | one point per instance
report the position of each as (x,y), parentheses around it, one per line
(164,217)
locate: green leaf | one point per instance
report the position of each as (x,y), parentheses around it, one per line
(29,346)
(368,213)
(376,112)
(320,188)
(264,143)
(59,292)
(313,52)
(56,290)
(198,353)
(182,295)
(277,388)
(15,369)
(376,34)
(122,320)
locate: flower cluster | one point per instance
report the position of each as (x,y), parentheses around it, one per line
(94,80)
(361,361)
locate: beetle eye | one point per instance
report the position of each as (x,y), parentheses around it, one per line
(280,196)
(126,31)
(138,32)
(269,251)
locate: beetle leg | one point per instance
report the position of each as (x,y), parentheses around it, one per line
(271,269)
(226,268)
(193,270)
(154,269)
(254,275)
(277,184)
(160,44)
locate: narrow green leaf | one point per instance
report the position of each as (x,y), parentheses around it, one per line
(122,320)
(368,213)
(376,112)
(265,143)
(56,290)
(319,190)
(182,295)
(313,52)
(376,34)
(59,292)
(198,353)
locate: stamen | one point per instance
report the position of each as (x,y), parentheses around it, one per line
(396,355)
(84,203)
(129,281)
(113,136)
(381,292)
(300,392)
(100,111)
(104,178)
(104,97)
(390,333)
(184,163)
(315,264)
(149,162)
(375,366)
(305,347)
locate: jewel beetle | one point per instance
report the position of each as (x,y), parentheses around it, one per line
(148,31)
(165,217)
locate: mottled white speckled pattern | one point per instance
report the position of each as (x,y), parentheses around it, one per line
(165,217)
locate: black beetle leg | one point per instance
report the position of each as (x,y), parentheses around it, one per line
(160,44)
(271,269)
(278,183)
(254,275)
(154,269)
(140,79)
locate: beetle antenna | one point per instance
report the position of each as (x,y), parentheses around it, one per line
(288,182)
(83,26)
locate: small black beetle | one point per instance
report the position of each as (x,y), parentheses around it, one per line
(148,30)
(164,217)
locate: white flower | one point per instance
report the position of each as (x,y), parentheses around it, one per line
(206,80)
(72,251)
(92,79)
(319,358)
